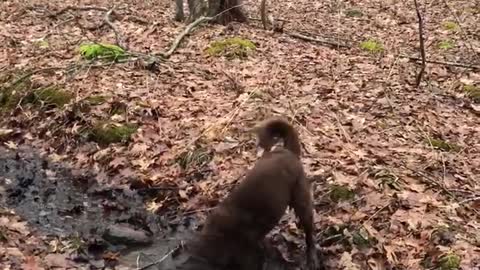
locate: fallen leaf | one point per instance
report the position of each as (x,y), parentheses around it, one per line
(30,263)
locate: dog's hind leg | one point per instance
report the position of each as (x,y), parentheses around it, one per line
(302,204)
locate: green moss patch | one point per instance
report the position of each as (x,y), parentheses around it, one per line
(449,261)
(362,239)
(107,133)
(472,92)
(49,96)
(231,48)
(446,44)
(353,13)
(372,46)
(341,193)
(101,50)
(449,25)
(12,91)
(195,158)
(444,145)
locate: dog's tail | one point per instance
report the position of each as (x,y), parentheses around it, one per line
(272,129)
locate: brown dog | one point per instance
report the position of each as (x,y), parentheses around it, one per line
(232,235)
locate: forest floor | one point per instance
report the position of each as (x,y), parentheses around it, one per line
(395,168)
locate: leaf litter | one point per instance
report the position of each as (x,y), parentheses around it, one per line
(408,159)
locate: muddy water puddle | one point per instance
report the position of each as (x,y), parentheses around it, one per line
(59,205)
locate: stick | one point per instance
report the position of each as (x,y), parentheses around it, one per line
(324,42)
(444,63)
(161,259)
(184,33)
(108,22)
(422,45)
(469,200)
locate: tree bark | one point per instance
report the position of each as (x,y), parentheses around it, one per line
(226,11)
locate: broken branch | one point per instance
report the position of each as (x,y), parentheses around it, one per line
(118,38)
(182,35)
(321,41)
(422,45)
(444,63)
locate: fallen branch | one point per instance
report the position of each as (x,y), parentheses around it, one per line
(182,35)
(444,63)
(118,38)
(321,41)
(422,46)
(469,200)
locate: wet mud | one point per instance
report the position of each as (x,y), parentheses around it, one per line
(58,204)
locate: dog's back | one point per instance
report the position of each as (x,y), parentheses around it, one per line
(232,233)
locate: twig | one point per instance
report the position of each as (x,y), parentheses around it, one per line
(453,64)
(321,41)
(108,22)
(161,259)
(184,33)
(376,213)
(422,46)
(469,200)
(259,20)
(344,132)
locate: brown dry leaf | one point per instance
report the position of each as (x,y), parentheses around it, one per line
(376,264)
(183,194)
(57,260)
(14,252)
(154,206)
(346,262)
(11,145)
(31,263)
(5,131)
(118,162)
(390,254)
(343,179)
(139,149)
(15,225)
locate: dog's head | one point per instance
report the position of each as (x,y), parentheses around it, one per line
(266,141)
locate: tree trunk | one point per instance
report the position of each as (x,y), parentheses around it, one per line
(229,10)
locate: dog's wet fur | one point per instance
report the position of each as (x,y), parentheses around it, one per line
(233,233)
